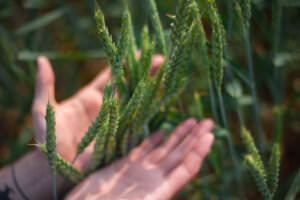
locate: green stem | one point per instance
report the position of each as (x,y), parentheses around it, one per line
(278,73)
(222,108)
(256,112)
(230,17)
(230,144)
(180,106)
(239,113)
(54,187)
(213,101)
(278,124)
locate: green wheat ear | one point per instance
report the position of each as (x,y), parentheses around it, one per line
(124,38)
(129,112)
(218,44)
(153,13)
(256,166)
(182,22)
(273,171)
(51,138)
(251,148)
(246,10)
(64,168)
(110,48)
(182,32)
(96,124)
(114,117)
(240,17)
(147,52)
(113,128)
(105,37)
(259,176)
(99,147)
(132,65)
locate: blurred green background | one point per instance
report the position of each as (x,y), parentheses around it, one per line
(65,31)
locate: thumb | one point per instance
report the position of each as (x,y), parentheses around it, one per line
(44,86)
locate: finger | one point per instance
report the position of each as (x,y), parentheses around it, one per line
(177,136)
(157,61)
(44,91)
(175,157)
(190,166)
(147,146)
(44,86)
(100,81)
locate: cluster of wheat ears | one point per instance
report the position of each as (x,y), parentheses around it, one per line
(122,120)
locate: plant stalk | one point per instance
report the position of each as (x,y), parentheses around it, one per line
(256,111)
(213,101)
(54,187)
(278,72)
(230,144)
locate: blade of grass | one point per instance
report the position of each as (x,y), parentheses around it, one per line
(41,21)
(294,187)
(56,55)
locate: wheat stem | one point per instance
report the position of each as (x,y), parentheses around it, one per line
(230,143)
(212,97)
(179,103)
(278,71)
(54,187)
(256,111)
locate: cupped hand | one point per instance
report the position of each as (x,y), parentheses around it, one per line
(152,171)
(74,115)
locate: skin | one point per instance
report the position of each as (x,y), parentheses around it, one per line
(150,171)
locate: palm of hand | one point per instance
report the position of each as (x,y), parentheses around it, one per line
(73,116)
(151,171)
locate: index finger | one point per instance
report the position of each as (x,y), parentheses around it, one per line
(100,81)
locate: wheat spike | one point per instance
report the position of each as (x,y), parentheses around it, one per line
(255,164)
(147,52)
(50,137)
(110,48)
(218,43)
(64,168)
(129,112)
(99,147)
(132,63)
(154,15)
(113,128)
(182,32)
(259,176)
(182,22)
(273,171)
(96,124)
(124,38)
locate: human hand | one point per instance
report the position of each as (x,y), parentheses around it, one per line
(74,115)
(150,171)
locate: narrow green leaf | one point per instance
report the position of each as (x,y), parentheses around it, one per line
(294,188)
(41,21)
